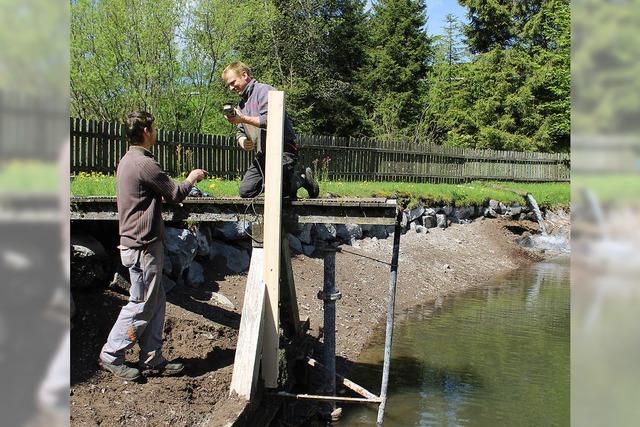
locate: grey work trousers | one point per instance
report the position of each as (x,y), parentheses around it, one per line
(252,184)
(142,319)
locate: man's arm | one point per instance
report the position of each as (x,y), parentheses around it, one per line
(259,121)
(157,179)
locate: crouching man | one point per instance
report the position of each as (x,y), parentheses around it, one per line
(250,119)
(141,185)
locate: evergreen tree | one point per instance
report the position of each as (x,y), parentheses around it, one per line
(397,63)
(311,51)
(515,94)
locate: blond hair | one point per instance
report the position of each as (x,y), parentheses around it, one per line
(238,67)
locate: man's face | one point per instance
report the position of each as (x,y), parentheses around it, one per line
(151,134)
(236,82)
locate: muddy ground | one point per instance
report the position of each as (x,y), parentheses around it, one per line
(204,335)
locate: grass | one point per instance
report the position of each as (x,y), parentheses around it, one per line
(551,195)
(28,176)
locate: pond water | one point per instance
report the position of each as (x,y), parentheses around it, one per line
(496,356)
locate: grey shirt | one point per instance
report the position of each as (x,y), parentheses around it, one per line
(141,184)
(254,102)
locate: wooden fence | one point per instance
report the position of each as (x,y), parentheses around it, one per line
(98,146)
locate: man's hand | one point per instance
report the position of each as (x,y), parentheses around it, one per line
(237,118)
(240,118)
(196,175)
(245,143)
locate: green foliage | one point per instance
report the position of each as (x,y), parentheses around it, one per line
(515,94)
(398,52)
(346,72)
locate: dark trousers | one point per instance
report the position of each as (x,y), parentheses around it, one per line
(252,184)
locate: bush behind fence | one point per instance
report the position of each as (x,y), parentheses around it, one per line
(98,146)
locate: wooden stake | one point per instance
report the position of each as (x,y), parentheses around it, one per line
(272,236)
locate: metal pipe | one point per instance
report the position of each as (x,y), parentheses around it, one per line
(329,295)
(390,314)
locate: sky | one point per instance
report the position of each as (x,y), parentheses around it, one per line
(437,10)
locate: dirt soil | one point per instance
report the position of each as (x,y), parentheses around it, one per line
(204,335)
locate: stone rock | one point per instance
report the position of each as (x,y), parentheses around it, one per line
(378,231)
(494,205)
(348,232)
(429,221)
(416,213)
(203,237)
(120,283)
(514,211)
(89,261)
(294,243)
(366,227)
(429,212)
(447,210)
(221,301)
(308,250)
(490,213)
(195,274)
(237,260)
(442,221)
(325,232)
(464,212)
(421,229)
(525,241)
(230,231)
(84,245)
(182,247)
(502,209)
(305,234)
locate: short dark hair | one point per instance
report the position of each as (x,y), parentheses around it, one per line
(134,124)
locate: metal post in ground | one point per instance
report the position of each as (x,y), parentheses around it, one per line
(390,313)
(330,295)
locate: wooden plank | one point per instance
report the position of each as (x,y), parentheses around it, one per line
(272,235)
(249,347)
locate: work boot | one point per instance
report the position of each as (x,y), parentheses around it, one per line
(121,370)
(164,368)
(310,184)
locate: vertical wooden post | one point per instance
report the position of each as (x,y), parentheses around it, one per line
(272,236)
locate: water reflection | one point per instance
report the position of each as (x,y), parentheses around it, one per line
(494,356)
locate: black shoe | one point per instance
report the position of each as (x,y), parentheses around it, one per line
(310,184)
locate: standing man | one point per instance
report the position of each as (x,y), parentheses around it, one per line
(141,186)
(251,120)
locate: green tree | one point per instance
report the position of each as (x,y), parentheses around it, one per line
(397,63)
(124,56)
(515,93)
(311,50)
(211,34)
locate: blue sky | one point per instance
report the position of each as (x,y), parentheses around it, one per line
(437,10)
